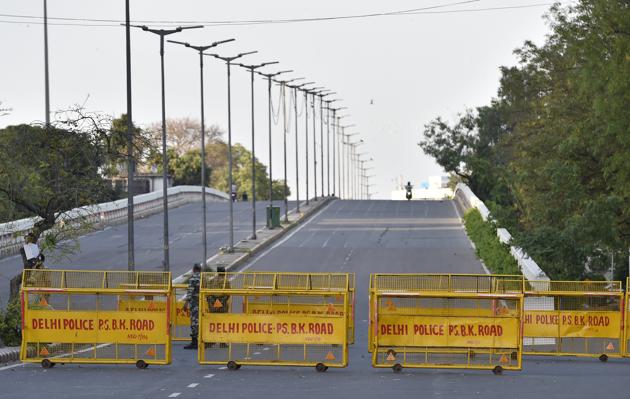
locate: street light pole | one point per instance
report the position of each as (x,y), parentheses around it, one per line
(228,62)
(46,81)
(162,33)
(283,85)
(297,163)
(321,131)
(269,77)
(335,133)
(251,69)
(340,153)
(130,161)
(200,50)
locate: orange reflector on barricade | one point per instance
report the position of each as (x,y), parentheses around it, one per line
(43,302)
(391,357)
(150,352)
(217,304)
(330,356)
(44,352)
(504,359)
(610,347)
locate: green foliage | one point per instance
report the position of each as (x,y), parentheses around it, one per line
(11,323)
(494,254)
(47,171)
(549,155)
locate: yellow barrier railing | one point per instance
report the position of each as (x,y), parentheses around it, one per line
(73,316)
(180,317)
(261,318)
(573,318)
(446,321)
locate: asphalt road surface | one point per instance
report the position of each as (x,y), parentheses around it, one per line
(107,249)
(348,236)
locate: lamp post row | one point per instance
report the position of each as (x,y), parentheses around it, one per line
(315,92)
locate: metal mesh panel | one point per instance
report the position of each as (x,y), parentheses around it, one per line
(272,354)
(580,318)
(95,326)
(447,283)
(451,357)
(95,280)
(276,281)
(277,311)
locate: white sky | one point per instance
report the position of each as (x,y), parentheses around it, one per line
(413,67)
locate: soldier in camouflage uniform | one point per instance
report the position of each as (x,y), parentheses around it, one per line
(192,304)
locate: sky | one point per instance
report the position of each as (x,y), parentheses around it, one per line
(394,73)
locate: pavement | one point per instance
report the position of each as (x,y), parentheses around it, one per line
(345,236)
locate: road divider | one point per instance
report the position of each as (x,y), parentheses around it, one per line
(76,316)
(266,318)
(446,321)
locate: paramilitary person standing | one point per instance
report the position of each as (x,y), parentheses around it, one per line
(192,304)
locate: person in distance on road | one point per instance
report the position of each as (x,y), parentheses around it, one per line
(192,304)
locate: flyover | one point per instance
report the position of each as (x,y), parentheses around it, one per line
(106,249)
(347,236)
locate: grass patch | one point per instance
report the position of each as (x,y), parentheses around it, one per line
(494,254)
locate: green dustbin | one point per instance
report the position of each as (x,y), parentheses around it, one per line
(273,217)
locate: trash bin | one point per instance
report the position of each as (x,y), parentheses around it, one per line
(273,217)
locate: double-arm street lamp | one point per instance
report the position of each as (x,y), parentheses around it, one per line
(297,159)
(200,50)
(347,146)
(228,62)
(340,151)
(270,77)
(321,96)
(252,69)
(283,84)
(335,134)
(314,92)
(162,33)
(306,93)
(328,103)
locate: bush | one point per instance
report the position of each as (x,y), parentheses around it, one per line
(489,249)
(11,324)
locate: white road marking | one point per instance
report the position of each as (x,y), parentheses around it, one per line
(265,349)
(193,385)
(208,376)
(12,366)
(286,238)
(222,368)
(174,394)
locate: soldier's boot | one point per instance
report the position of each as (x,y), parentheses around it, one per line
(192,345)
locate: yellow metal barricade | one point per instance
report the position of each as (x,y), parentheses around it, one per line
(77,316)
(180,317)
(257,306)
(265,318)
(446,321)
(573,318)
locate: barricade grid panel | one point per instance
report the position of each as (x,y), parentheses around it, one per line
(96,317)
(261,318)
(577,318)
(446,321)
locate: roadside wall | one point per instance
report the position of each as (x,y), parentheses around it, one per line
(465,199)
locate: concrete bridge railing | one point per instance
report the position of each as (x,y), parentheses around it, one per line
(466,199)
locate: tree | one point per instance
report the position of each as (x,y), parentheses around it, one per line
(549,155)
(54,171)
(183,134)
